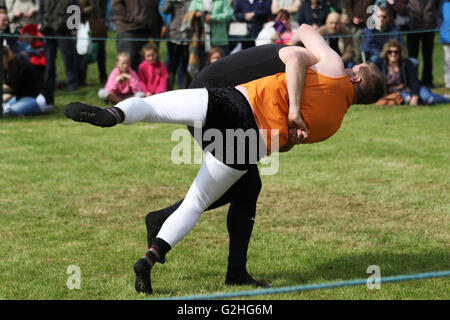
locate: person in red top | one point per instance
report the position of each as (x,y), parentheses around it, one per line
(152,72)
(300,117)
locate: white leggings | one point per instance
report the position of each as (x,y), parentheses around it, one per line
(214,177)
(180,106)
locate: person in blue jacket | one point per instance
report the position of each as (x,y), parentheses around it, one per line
(314,13)
(255,13)
(444,22)
(374,38)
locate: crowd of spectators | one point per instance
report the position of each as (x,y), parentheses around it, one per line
(198,32)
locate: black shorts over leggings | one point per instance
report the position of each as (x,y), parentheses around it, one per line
(230,132)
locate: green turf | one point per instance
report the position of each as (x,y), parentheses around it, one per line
(376,193)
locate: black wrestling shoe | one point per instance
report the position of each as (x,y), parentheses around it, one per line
(82,112)
(143,282)
(243,279)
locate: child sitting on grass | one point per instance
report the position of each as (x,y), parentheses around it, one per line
(122,83)
(152,73)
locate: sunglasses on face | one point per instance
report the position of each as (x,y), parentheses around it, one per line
(392,51)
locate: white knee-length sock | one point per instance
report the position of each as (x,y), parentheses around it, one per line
(185,106)
(213,180)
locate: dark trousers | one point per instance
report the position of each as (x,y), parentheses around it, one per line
(67,47)
(101,64)
(177,53)
(132,47)
(101,59)
(414,40)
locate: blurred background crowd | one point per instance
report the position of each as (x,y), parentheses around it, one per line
(195,33)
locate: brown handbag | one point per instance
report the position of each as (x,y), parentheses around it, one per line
(392,99)
(98,28)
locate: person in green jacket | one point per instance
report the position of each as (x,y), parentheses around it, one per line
(215,15)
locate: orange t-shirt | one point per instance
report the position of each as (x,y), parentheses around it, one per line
(325,101)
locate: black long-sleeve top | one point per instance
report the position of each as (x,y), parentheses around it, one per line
(23,78)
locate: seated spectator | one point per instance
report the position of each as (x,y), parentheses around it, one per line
(342,45)
(314,13)
(283,29)
(122,83)
(21,13)
(152,72)
(373,39)
(214,54)
(23,87)
(403,86)
(31,45)
(292,6)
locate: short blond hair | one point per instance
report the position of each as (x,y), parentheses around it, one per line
(123,55)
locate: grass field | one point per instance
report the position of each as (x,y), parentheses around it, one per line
(376,193)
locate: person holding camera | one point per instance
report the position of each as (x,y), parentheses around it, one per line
(215,15)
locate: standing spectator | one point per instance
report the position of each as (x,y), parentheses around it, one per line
(21,13)
(255,13)
(122,82)
(357,13)
(5,29)
(94,11)
(338,38)
(398,10)
(336,5)
(99,30)
(314,13)
(373,39)
(216,13)
(292,6)
(177,45)
(445,39)
(152,72)
(135,19)
(423,15)
(23,86)
(53,14)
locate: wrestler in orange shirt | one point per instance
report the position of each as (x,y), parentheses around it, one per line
(304,105)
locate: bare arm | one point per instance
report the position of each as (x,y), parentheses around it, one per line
(295,79)
(317,55)
(329,62)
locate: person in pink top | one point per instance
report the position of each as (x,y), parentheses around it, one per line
(122,82)
(283,28)
(152,72)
